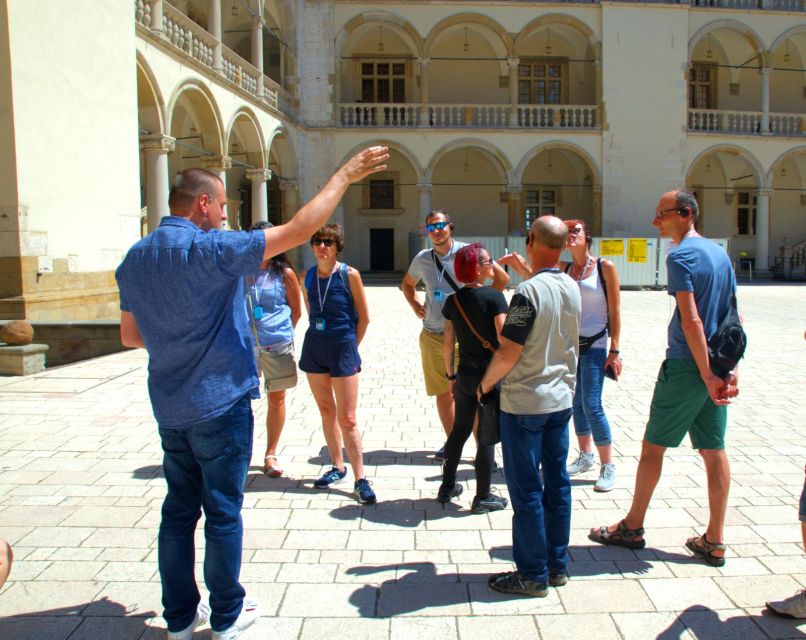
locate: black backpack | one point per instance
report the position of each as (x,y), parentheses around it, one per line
(726,347)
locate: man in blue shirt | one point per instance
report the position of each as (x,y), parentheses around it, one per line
(689,397)
(181,298)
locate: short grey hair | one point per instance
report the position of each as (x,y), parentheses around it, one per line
(189,185)
(686,200)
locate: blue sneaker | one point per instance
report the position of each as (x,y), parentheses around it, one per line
(364,492)
(334,476)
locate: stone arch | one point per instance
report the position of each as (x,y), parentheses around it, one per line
(751,36)
(485,26)
(200,104)
(150,104)
(499,159)
(374,19)
(558,145)
(244,128)
(549,20)
(281,148)
(759,174)
(402,149)
(790,154)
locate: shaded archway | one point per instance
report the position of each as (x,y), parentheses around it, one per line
(154,147)
(787,235)
(245,148)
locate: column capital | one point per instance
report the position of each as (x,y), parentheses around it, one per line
(513,62)
(216,163)
(514,189)
(424,62)
(424,187)
(258,175)
(157,143)
(257,22)
(765,71)
(289,185)
(763,193)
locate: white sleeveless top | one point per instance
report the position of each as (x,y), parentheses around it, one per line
(594,308)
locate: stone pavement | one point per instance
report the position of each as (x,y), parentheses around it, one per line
(81,488)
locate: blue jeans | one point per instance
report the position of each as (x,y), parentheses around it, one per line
(541,521)
(589,414)
(205,465)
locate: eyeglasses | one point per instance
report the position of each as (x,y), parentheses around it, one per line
(575,231)
(486,262)
(328,242)
(436,226)
(662,214)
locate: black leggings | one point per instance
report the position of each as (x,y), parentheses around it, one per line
(467,406)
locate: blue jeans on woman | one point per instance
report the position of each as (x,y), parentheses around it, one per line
(205,465)
(541,524)
(589,415)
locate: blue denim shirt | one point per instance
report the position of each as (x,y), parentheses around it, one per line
(184,287)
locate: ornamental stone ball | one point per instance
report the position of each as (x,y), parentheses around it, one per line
(17,333)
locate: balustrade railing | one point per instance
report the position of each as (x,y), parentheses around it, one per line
(774,5)
(557,116)
(744,122)
(184,34)
(478,116)
(379,115)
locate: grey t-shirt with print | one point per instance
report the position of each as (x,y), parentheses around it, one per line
(423,268)
(543,316)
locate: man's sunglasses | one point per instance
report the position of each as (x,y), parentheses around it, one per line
(328,242)
(436,226)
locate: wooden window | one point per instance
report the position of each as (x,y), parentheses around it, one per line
(383,82)
(746,213)
(542,82)
(702,86)
(381,194)
(541,202)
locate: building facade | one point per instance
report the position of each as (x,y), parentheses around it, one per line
(496,111)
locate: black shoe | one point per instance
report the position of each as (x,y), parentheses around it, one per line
(439,456)
(514,583)
(491,503)
(559,579)
(446,493)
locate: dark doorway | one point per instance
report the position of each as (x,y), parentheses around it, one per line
(381,249)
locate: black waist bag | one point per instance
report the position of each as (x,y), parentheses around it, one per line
(726,347)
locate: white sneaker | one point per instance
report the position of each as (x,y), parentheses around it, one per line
(792,607)
(582,464)
(607,478)
(249,613)
(202,616)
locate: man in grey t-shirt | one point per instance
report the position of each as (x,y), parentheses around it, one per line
(434,268)
(538,362)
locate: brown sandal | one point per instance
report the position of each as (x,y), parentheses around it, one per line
(621,537)
(272,470)
(700,546)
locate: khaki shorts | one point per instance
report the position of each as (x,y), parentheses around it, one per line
(278,367)
(431,351)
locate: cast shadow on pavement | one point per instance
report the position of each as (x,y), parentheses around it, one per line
(102,618)
(399,513)
(384,457)
(704,623)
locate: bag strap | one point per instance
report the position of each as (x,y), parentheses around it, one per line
(484,343)
(604,290)
(445,273)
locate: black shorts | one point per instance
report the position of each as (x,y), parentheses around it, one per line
(336,356)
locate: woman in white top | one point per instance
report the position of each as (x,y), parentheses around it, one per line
(600,320)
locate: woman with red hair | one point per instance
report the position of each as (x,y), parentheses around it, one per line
(601,319)
(486,309)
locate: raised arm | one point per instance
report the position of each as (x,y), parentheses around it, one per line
(500,277)
(517,262)
(314,214)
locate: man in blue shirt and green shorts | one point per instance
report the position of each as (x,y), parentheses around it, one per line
(689,397)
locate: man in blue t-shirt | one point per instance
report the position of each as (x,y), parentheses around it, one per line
(689,397)
(181,298)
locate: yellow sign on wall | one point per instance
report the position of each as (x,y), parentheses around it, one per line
(636,250)
(611,247)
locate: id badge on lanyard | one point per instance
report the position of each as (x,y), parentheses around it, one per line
(439,295)
(319,324)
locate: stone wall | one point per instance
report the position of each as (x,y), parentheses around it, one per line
(74,341)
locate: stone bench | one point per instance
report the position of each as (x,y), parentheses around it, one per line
(22,360)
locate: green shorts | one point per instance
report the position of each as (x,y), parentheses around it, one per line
(681,405)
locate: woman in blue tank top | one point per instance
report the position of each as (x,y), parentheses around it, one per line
(338,319)
(276,307)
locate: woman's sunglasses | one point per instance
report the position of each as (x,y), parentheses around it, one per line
(328,242)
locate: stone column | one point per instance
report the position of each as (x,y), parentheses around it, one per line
(596,191)
(156,15)
(514,212)
(219,166)
(762,230)
(257,51)
(424,93)
(214,28)
(260,202)
(156,148)
(513,91)
(765,101)
(290,199)
(424,192)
